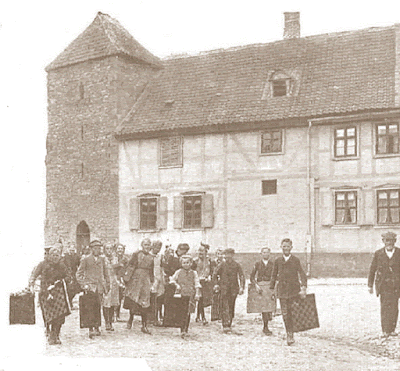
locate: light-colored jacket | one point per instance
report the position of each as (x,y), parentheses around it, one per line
(93,273)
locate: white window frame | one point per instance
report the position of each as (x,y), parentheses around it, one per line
(357,139)
(357,207)
(375,138)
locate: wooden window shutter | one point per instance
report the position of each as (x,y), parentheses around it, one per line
(327,211)
(368,209)
(178,212)
(134,216)
(207,217)
(162,215)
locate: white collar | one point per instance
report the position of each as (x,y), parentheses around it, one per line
(265,261)
(287,257)
(389,253)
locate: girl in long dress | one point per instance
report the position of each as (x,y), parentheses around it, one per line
(138,278)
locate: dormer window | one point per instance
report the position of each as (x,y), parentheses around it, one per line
(280,84)
(279,88)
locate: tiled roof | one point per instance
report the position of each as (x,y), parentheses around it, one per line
(333,73)
(105,36)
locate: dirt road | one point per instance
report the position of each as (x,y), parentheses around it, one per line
(347,340)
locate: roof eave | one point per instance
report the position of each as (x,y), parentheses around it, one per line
(323,119)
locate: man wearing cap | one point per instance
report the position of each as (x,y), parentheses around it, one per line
(385,271)
(93,276)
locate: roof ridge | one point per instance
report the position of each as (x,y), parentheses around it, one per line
(100,16)
(242,47)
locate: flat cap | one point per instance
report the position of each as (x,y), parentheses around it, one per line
(95,243)
(390,235)
(229,251)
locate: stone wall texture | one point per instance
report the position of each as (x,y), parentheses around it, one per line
(86,102)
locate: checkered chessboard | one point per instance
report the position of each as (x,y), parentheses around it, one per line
(57,305)
(304,313)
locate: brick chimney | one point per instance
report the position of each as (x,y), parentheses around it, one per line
(292,25)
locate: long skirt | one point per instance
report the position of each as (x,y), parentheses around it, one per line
(55,304)
(111,299)
(138,288)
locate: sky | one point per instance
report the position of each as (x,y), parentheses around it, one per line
(33,33)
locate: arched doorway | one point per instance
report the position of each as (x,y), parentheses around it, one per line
(82,236)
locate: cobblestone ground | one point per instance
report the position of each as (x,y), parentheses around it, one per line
(348,339)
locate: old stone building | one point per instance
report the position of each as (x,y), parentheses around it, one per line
(92,85)
(297,138)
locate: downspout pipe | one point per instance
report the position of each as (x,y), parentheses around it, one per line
(310,195)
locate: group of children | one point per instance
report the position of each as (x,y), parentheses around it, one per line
(148,281)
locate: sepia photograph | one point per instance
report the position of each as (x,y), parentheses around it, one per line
(195,186)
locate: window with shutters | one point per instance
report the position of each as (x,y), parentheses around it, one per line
(388,208)
(272,141)
(346,207)
(148,213)
(345,142)
(170,150)
(387,139)
(192,212)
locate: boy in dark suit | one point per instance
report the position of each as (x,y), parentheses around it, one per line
(385,271)
(227,275)
(291,281)
(263,270)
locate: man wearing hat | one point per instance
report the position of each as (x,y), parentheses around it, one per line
(385,271)
(93,276)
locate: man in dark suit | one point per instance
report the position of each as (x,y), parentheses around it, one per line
(230,282)
(93,277)
(72,260)
(291,281)
(385,271)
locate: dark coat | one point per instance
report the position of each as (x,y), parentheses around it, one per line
(72,262)
(262,271)
(385,272)
(121,266)
(49,273)
(170,265)
(94,274)
(229,275)
(289,276)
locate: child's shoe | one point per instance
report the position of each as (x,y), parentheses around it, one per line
(267,331)
(205,322)
(97,332)
(145,330)
(91,334)
(109,327)
(290,338)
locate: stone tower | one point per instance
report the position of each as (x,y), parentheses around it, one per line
(91,85)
